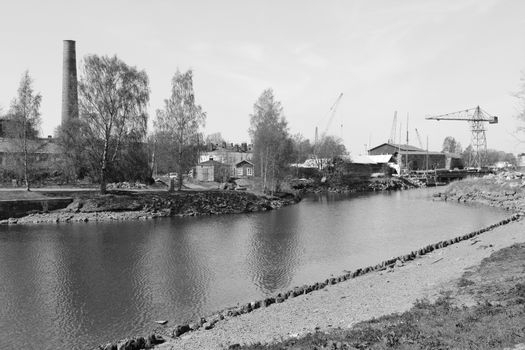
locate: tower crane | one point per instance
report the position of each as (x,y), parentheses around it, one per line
(477,118)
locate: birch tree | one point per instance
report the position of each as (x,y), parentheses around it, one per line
(112,103)
(177,125)
(25,116)
(272,146)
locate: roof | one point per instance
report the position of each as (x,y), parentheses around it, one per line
(212,162)
(371,159)
(405,148)
(244,161)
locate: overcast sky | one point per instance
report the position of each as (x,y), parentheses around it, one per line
(418,57)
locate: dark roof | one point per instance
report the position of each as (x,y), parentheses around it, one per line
(404,148)
(244,161)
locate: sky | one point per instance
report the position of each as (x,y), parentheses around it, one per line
(417,57)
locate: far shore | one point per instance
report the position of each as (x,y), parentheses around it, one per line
(118,205)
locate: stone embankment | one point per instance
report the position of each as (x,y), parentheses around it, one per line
(354,186)
(504,190)
(144,205)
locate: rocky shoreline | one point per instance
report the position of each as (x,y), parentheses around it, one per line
(148,205)
(504,190)
(355,186)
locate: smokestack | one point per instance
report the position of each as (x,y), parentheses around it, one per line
(69,82)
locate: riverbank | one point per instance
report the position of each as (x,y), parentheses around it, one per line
(341,306)
(322,317)
(143,205)
(355,185)
(505,190)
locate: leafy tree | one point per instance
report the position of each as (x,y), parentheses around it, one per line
(24,116)
(450,145)
(272,147)
(112,102)
(177,125)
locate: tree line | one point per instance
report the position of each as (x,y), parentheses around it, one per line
(109,141)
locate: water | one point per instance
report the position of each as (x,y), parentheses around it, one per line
(74,286)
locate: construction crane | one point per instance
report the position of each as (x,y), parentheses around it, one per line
(419,139)
(478,118)
(393,131)
(330,115)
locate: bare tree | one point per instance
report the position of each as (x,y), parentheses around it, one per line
(112,101)
(329,147)
(177,125)
(451,145)
(215,138)
(23,127)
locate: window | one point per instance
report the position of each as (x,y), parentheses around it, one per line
(239,171)
(249,171)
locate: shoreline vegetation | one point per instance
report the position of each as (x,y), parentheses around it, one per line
(463,315)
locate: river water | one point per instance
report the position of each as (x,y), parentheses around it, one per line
(73,286)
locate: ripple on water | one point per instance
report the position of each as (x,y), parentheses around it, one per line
(65,285)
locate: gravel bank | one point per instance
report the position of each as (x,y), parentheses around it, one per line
(359,299)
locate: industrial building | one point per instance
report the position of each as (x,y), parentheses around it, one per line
(415,158)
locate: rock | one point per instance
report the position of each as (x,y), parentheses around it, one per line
(153,340)
(109,346)
(180,330)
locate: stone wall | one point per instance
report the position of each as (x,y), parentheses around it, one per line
(19,208)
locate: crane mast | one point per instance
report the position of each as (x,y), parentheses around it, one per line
(393,135)
(419,139)
(478,119)
(331,114)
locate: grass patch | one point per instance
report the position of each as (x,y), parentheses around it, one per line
(497,321)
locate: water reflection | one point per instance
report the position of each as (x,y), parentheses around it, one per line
(75,286)
(274,250)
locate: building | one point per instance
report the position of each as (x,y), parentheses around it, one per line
(375,164)
(43,153)
(391,148)
(244,169)
(212,170)
(229,154)
(418,159)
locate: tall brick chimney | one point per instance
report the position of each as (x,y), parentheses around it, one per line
(69,82)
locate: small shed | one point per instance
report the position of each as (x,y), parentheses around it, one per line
(244,169)
(211,170)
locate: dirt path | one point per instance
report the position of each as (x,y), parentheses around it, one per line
(344,304)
